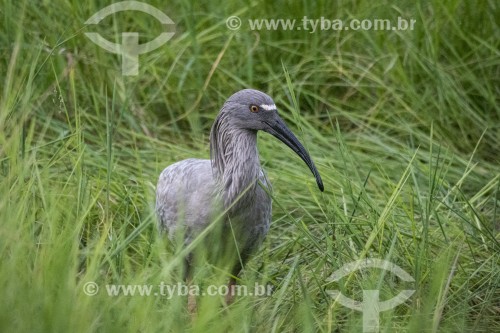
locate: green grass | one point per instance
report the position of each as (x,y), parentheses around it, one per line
(404,128)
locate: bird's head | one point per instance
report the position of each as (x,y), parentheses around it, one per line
(254,110)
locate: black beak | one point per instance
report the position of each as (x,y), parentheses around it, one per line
(279,130)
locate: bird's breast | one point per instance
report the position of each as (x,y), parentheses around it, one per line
(252,218)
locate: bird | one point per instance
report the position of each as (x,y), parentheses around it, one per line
(192,193)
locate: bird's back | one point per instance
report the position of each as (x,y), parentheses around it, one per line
(188,197)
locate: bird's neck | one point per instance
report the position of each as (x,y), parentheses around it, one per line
(235,161)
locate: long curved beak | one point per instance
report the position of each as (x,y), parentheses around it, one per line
(278,129)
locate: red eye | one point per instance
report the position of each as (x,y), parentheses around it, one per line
(254,108)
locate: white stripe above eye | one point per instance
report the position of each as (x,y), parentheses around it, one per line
(268,107)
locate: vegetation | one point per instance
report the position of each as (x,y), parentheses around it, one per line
(403,126)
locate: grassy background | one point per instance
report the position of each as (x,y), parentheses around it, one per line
(403,125)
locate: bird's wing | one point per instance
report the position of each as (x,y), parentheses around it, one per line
(185,196)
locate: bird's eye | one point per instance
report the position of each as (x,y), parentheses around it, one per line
(254,108)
